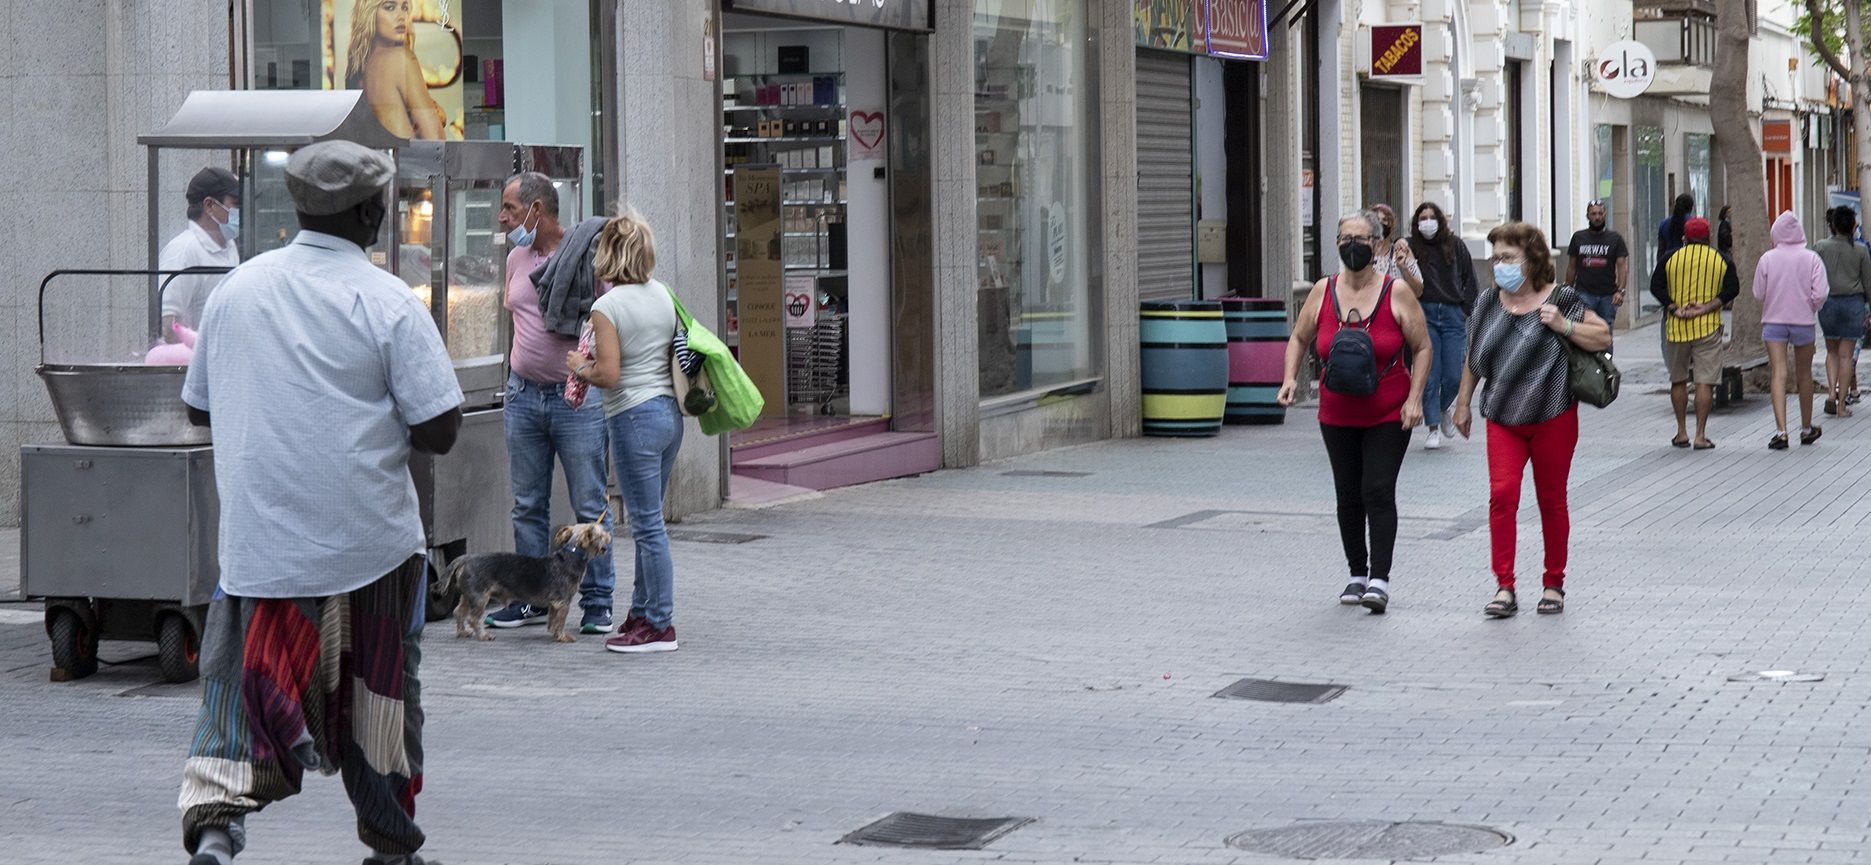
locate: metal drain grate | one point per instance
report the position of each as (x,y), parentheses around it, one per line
(1370,840)
(931,832)
(696,537)
(1043,473)
(1280,692)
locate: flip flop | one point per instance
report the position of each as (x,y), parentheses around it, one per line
(1679,443)
(1705,445)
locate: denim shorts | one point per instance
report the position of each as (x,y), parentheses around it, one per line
(1791,334)
(1843,317)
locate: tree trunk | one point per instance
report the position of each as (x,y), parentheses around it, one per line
(1740,154)
(1861,96)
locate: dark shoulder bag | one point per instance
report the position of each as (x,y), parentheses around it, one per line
(1595,379)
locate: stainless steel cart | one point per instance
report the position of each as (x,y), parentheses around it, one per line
(119,530)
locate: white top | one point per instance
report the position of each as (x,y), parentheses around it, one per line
(186,296)
(312,364)
(645,319)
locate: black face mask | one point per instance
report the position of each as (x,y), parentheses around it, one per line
(1597,225)
(1355,255)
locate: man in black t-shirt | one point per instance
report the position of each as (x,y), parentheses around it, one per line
(1598,264)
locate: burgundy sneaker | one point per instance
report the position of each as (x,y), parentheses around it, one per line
(632,624)
(647,638)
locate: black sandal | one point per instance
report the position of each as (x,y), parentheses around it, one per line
(1353,594)
(1499,609)
(1549,606)
(1778,442)
(1810,435)
(1679,443)
(1376,600)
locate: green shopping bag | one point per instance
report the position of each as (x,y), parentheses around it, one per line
(737,401)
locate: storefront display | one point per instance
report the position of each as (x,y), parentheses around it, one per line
(1035,134)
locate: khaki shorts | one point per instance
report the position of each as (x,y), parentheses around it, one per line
(1698,360)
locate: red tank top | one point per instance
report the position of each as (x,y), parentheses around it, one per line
(1393,388)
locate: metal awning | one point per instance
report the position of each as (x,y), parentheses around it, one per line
(222,119)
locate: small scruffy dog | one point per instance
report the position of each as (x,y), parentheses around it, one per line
(550,582)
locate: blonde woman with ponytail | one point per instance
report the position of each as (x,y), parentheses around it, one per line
(633,326)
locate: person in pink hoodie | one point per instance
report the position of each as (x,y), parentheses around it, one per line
(1790,283)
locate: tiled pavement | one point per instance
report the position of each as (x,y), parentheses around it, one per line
(977,643)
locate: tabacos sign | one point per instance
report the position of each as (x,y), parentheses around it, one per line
(1625,69)
(1397,51)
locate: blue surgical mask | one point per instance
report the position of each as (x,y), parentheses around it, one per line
(1509,276)
(523,236)
(230,230)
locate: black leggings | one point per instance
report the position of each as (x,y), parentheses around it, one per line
(1365,462)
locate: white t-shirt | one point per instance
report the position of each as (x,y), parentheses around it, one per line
(186,296)
(312,365)
(645,319)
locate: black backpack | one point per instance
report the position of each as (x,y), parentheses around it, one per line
(1351,365)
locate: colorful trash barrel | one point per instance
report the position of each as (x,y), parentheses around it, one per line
(1257,335)
(1184,348)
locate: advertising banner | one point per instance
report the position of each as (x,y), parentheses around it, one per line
(760,279)
(1170,25)
(405,55)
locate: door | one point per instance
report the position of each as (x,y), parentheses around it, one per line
(1381,139)
(1165,177)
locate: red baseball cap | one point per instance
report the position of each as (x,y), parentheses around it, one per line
(1696,229)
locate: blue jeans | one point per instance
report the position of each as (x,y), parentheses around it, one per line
(1601,304)
(540,426)
(644,442)
(1448,337)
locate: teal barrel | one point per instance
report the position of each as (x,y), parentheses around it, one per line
(1184,353)
(1257,335)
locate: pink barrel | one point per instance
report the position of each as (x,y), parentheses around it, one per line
(1257,335)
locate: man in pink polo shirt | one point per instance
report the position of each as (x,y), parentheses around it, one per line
(540,425)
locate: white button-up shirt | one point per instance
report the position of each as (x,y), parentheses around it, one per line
(313,364)
(185,296)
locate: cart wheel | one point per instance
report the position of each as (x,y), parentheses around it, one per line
(178,650)
(441,604)
(74,647)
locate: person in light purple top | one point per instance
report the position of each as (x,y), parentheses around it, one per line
(540,424)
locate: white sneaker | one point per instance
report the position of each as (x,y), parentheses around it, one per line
(1435,439)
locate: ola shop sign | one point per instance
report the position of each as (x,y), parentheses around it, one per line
(1626,69)
(893,14)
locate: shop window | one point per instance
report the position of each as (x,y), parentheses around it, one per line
(513,70)
(1038,246)
(1696,158)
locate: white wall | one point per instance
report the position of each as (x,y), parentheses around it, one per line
(546,46)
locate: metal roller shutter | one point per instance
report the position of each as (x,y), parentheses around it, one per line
(1165,177)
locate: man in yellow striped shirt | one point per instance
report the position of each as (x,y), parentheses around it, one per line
(1693,284)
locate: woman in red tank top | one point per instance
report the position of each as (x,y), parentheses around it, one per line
(1366,435)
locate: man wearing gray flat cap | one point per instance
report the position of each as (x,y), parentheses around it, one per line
(319,374)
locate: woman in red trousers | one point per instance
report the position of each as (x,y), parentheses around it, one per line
(1516,342)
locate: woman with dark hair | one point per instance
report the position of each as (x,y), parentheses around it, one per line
(1848,278)
(1448,293)
(1518,345)
(1670,230)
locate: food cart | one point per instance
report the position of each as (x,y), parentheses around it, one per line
(119,522)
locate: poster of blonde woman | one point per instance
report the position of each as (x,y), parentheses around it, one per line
(406,57)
